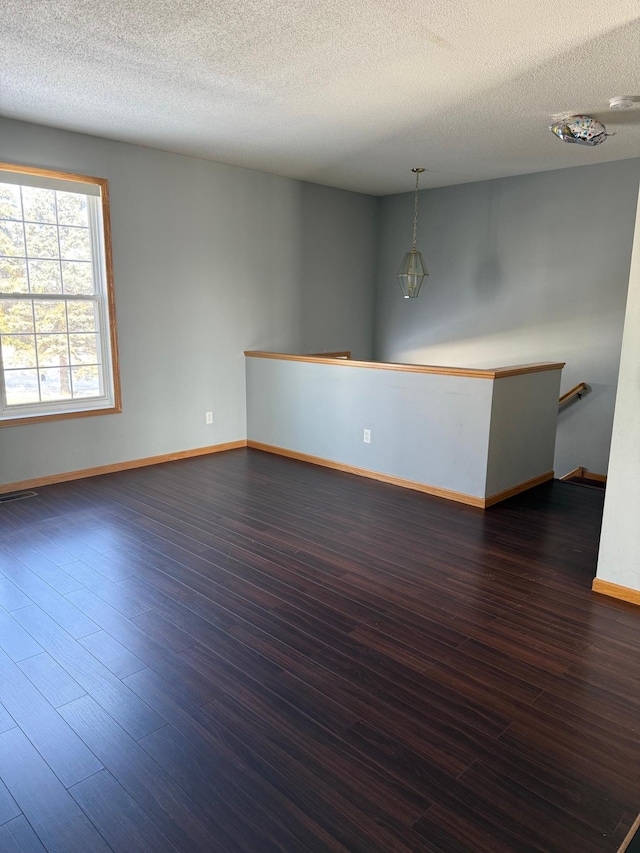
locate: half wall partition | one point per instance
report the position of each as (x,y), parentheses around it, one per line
(470,435)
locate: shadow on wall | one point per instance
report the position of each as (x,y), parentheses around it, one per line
(520,272)
(509,267)
(315,291)
(489,280)
(337,231)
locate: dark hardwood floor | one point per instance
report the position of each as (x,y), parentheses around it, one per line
(246,653)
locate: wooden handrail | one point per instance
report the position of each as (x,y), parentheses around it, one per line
(342,354)
(471,372)
(578,391)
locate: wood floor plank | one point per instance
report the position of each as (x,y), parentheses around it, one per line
(38,564)
(155,625)
(197,724)
(74,622)
(297,641)
(65,753)
(17,836)
(153,652)
(45,545)
(8,806)
(309,738)
(111,568)
(218,772)
(573,748)
(451,832)
(54,815)
(124,825)
(55,683)
(403,692)
(6,720)
(111,592)
(112,654)
(359,825)
(98,681)
(560,830)
(164,519)
(11,598)
(17,643)
(194,774)
(591,801)
(327,664)
(174,813)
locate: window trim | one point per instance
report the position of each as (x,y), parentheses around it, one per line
(103,185)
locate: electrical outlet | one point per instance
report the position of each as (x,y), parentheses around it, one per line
(208,416)
(366,436)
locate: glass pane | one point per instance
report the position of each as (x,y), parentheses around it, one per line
(10,203)
(39,205)
(42,241)
(50,317)
(77,276)
(11,238)
(16,317)
(72,209)
(18,351)
(74,244)
(86,382)
(21,387)
(84,349)
(44,277)
(52,350)
(82,316)
(55,383)
(13,275)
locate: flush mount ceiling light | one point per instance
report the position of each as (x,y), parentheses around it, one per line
(583,130)
(412,270)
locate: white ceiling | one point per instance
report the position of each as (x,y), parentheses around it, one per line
(350,94)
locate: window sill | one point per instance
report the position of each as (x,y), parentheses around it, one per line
(58,416)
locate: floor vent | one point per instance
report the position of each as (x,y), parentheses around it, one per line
(16,496)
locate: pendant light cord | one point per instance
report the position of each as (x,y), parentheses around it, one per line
(415,210)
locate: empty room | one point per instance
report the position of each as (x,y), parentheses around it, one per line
(319,427)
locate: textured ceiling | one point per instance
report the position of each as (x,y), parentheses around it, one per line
(347,94)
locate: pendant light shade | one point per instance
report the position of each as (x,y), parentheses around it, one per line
(412,273)
(413,270)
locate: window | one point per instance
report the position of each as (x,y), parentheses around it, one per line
(58,355)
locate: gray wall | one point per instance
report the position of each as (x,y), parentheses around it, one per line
(425,428)
(524,269)
(209,260)
(476,436)
(522,440)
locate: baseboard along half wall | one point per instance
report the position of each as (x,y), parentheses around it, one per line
(450,495)
(516,490)
(614,590)
(66,476)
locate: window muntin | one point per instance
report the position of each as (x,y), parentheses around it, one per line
(57,324)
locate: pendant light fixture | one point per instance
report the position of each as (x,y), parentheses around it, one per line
(412,270)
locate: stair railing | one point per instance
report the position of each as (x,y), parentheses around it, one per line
(578,391)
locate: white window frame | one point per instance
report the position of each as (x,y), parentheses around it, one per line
(109,400)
